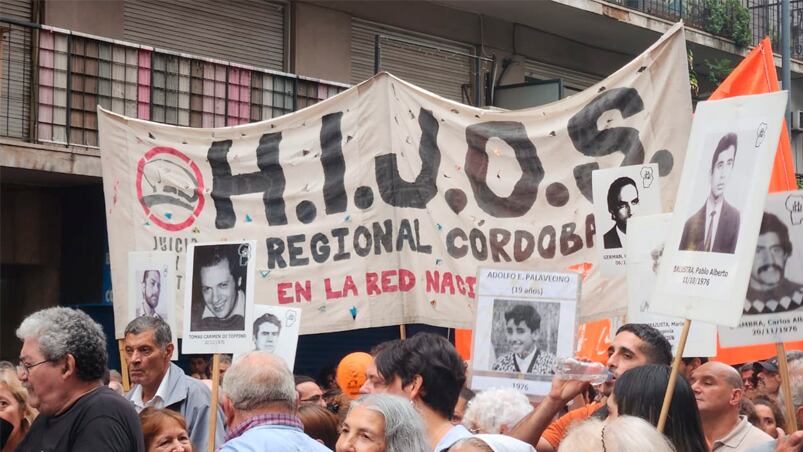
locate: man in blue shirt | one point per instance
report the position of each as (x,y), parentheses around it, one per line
(261,407)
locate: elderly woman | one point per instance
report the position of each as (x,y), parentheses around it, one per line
(14,407)
(496,410)
(164,430)
(621,434)
(382,423)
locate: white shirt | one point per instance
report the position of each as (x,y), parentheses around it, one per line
(620,234)
(158,399)
(524,363)
(715,207)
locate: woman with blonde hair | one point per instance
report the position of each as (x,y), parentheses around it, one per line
(14,408)
(622,434)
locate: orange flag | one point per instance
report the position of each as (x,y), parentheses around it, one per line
(756,75)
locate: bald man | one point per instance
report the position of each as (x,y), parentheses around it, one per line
(718,389)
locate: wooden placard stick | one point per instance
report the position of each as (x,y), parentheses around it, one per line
(403,331)
(213,407)
(673,376)
(123,365)
(786,387)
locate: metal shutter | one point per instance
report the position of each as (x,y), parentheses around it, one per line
(15,73)
(17,9)
(242,31)
(441,73)
(573,80)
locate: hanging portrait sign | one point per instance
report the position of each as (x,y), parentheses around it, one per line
(720,202)
(773,306)
(275,330)
(524,321)
(218,305)
(621,194)
(152,288)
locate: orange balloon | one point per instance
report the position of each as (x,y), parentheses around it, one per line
(351,373)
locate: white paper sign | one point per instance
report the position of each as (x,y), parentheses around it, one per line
(715,224)
(524,321)
(773,306)
(619,195)
(645,248)
(275,330)
(152,288)
(218,307)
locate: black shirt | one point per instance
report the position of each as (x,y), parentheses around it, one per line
(101,420)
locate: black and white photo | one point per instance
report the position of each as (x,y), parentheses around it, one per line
(771,288)
(621,194)
(524,321)
(275,330)
(714,230)
(219,281)
(529,339)
(151,289)
(219,298)
(715,226)
(773,305)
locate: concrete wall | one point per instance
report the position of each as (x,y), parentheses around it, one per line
(321,43)
(97,17)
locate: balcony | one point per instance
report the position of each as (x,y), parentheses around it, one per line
(745,23)
(52,80)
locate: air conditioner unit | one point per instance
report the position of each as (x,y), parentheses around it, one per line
(797,120)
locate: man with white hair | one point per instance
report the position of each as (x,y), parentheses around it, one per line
(261,407)
(62,362)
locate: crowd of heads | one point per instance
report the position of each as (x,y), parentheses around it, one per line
(406,395)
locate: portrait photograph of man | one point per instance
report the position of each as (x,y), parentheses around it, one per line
(267,329)
(218,287)
(623,202)
(151,290)
(529,341)
(715,226)
(770,290)
(151,287)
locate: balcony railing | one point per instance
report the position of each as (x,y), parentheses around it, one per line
(52,80)
(718,17)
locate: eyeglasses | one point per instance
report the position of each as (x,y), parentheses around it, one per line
(25,369)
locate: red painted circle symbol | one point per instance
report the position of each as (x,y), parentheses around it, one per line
(170,188)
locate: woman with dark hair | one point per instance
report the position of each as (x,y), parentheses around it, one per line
(164,430)
(320,424)
(769,414)
(640,392)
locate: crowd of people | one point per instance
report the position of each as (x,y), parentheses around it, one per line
(405,396)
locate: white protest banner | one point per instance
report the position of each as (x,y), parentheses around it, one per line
(712,240)
(376,207)
(221,297)
(646,239)
(619,195)
(773,307)
(524,322)
(275,330)
(152,288)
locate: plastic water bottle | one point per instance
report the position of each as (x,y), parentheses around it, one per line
(574,369)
